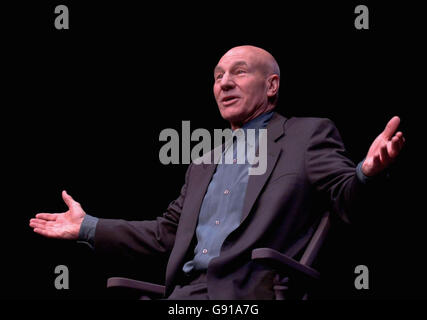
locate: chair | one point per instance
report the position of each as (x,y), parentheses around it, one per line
(293,279)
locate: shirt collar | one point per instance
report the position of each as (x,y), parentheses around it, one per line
(259,122)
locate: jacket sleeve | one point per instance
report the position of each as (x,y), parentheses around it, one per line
(132,239)
(330,171)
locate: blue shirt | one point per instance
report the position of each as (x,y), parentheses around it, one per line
(221,210)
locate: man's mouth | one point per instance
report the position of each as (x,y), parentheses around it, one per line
(228,101)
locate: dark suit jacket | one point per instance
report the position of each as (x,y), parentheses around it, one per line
(307,173)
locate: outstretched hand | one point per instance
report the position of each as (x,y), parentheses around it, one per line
(64,225)
(384,149)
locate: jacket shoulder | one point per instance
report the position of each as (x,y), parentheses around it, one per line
(307,126)
(308,123)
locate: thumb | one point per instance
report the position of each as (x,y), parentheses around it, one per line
(391,127)
(67,199)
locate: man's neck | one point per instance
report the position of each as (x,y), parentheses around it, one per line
(256,123)
(251,122)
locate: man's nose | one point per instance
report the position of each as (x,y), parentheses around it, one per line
(227,82)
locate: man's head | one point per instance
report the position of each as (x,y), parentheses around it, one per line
(246,84)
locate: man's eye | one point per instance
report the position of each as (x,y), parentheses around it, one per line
(240,71)
(218,76)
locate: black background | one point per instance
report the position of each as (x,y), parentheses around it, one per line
(82,110)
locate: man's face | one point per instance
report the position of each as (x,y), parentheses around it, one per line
(240,86)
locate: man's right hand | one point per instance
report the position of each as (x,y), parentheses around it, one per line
(64,225)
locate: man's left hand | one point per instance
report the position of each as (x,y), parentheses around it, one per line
(384,149)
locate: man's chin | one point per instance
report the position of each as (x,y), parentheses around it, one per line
(231,116)
(231,111)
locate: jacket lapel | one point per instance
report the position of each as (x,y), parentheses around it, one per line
(202,174)
(275,129)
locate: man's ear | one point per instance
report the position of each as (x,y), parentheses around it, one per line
(272,85)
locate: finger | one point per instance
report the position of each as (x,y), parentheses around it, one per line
(402,142)
(46,233)
(67,199)
(47,216)
(40,221)
(39,225)
(394,148)
(391,127)
(399,134)
(385,158)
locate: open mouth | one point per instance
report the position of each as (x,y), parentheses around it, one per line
(227,101)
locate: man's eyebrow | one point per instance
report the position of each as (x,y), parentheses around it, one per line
(234,65)
(239,63)
(218,69)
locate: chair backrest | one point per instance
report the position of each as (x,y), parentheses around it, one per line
(316,241)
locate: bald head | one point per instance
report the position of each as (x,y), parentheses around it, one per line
(259,56)
(246,84)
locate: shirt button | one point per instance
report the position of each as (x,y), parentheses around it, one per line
(204,251)
(226,191)
(217,222)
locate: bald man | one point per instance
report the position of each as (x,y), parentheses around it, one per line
(223,213)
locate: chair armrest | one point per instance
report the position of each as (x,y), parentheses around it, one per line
(118,282)
(282,261)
